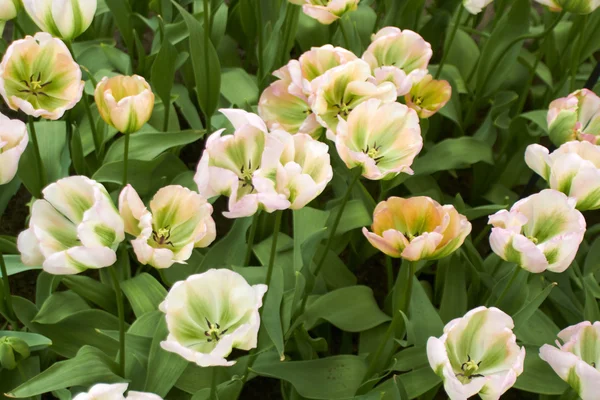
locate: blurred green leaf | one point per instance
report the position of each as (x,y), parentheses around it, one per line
(34,341)
(144,293)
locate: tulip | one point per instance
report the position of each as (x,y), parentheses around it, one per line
(575,117)
(179,220)
(326,11)
(476,6)
(9,9)
(572,6)
(13,142)
(541,232)
(65,19)
(428,96)
(125,102)
(74,228)
(39,77)
(104,391)
(573,169)
(302,171)
(341,89)
(577,361)
(477,354)
(229,163)
(210,314)
(12,351)
(418,228)
(382,138)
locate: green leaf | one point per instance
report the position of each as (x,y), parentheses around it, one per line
(238,87)
(15,266)
(333,307)
(524,314)
(592,260)
(538,117)
(144,293)
(409,359)
(355,216)
(163,71)
(419,381)
(93,291)
(271,317)
(34,341)
(121,12)
(89,367)
(424,319)
(453,154)
(230,250)
(59,306)
(454,297)
(327,378)
(538,376)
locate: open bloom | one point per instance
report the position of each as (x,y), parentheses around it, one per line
(284,104)
(398,56)
(575,117)
(39,77)
(125,102)
(383,138)
(418,228)
(577,361)
(341,89)
(302,171)
(476,6)
(178,221)
(477,354)
(104,391)
(210,314)
(428,96)
(573,169)
(572,6)
(65,19)
(540,232)
(326,11)
(75,227)
(229,163)
(13,142)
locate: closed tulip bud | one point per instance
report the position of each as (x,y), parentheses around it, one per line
(541,232)
(574,169)
(577,360)
(477,354)
(104,391)
(9,9)
(178,221)
(13,142)
(66,19)
(382,138)
(572,6)
(575,117)
(326,11)
(418,228)
(428,96)
(12,350)
(39,77)
(74,228)
(210,314)
(125,102)
(475,6)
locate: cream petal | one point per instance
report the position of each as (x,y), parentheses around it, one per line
(387,245)
(133,395)
(239,118)
(29,247)
(78,259)
(132,210)
(103,391)
(538,159)
(320,13)
(422,246)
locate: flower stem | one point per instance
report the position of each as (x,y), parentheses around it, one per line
(251,237)
(38,156)
(213,385)
(403,304)
(260,50)
(450,40)
(121,312)
(206,59)
(7,294)
(508,285)
(390,273)
(576,56)
(125,159)
(276,229)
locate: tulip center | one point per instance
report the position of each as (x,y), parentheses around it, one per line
(214,332)
(418,101)
(534,240)
(162,236)
(245,176)
(35,85)
(469,369)
(373,152)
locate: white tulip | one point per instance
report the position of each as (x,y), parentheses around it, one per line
(65,19)
(104,391)
(9,9)
(13,142)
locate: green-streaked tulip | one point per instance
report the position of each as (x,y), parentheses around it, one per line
(575,117)
(13,142)
(210,314)
(326,11)
(572,6)
(39,77)
(66,19)
(428,96)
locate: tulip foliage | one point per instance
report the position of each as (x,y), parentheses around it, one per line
(300,199)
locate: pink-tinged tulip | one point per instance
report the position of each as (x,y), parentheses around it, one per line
(125,102)
(326,11)
(341,89)
(229,163)
(577,361)
(382,138)
(573,169)
(428,96)
(178,221)
(575,117)
(417,228)
(66,19)
(300,173)
(477,354)
(572,6)
(541,232)
(475,6)
(39,77)
(74,228)
(13,142)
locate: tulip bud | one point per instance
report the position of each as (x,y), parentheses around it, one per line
(12,350)
(418,228)
(476,6)
(428,96)
(75,227)
(572,6)
(39,77)
(575,117)
(66,19)
(125,102)
(9,9)
(13,142)
(210,314)
(577,361)
(477,354)
(326,11)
